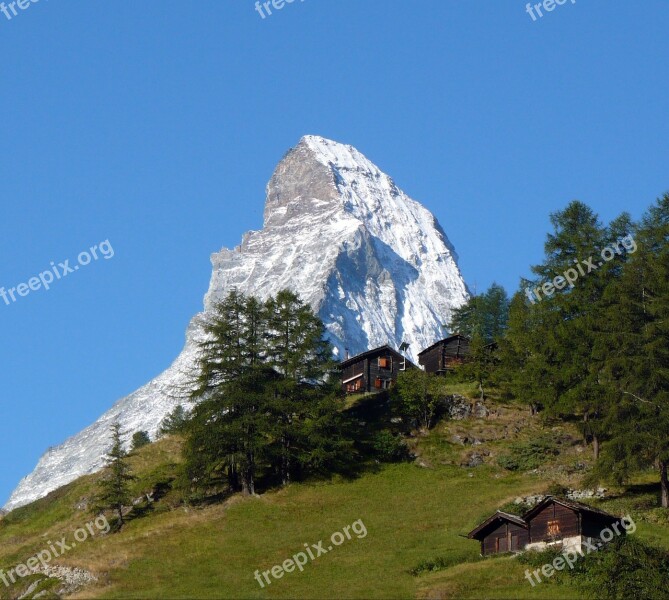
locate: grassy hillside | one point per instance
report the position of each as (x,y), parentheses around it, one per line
(415,515)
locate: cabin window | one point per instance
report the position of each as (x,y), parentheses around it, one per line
(378,383)
(384,362)
(553,528)
(354,386)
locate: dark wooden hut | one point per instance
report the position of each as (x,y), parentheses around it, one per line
(556,520)
(502,532)
(373,371)
(445,354)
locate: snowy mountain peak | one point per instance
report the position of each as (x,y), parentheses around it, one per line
(329,152)
(374,264)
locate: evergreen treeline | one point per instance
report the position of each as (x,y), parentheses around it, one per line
(587,339)
(266,405)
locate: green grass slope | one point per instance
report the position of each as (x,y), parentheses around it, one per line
(414,513)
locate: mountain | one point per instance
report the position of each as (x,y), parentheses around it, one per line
(375,264)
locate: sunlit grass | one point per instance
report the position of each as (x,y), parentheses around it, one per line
(414,515)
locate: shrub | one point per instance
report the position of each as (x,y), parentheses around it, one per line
(507,462)
(514,508)
(557,489)
(140,439)
(525,456)
(536,559)
(626,568)
(418,397)
(438,564)
(389,447)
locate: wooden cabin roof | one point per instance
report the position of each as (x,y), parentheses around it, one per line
(498,516)
(372,354)
(571,504)
(444,341)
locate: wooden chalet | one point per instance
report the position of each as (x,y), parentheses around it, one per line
(445,354)
(552,522)
(565,523)
(503,532)
(373,371)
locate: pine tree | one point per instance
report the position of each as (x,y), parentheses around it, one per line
(566,321)
(230,424)
(307,403)
(266,401)
(480,363)
(496,307)
(637,362)
(484,320)
(174,422)
(599,349)
(527,363)
(115,486)
(468,318)
(486,315)
(326,442)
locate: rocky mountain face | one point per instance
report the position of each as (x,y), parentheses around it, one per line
(375,264)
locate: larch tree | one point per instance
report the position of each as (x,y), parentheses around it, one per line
(114,491)
(637,363)
(307,404)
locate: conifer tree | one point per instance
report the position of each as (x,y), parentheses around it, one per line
(174,422)
(637,364)
(527,365)
(484,320)
(598,350)
(565,321)
(486,314)
(306,406)
(230,424)
(480,363)
(115,485)
(265,399)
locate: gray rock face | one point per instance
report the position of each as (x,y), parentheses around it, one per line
(600,492)
(460,408)
(374,264)
(474,459)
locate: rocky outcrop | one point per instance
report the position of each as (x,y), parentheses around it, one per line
(571,494)
(460,408)
(72,579)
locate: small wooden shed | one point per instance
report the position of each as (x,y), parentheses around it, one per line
(502,532)
(445,354)
(566,521)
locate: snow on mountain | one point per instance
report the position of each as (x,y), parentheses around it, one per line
(375,264)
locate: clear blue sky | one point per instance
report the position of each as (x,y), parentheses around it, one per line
(157,124)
